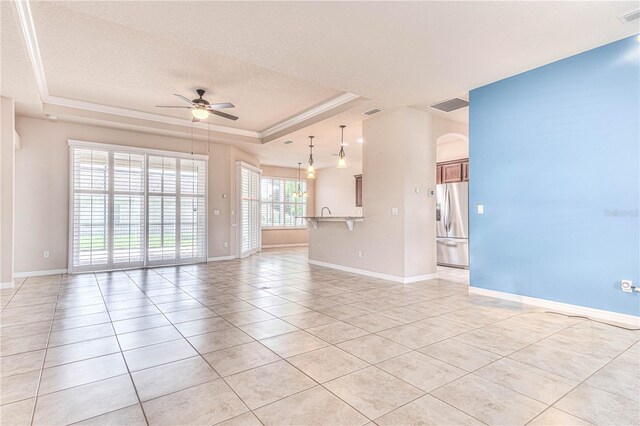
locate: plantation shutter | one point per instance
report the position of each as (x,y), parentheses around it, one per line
(249,185)
(132,208)
(128,209)
(163,205)
(90,203)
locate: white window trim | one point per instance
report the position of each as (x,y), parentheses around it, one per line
(239,166)
(124,148)
(137,150)
(283,228)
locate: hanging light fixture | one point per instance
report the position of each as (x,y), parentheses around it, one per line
(311,173)
(342,163)
(200,113)
(299,193)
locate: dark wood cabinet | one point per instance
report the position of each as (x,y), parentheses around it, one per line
(358,190)
(452,171)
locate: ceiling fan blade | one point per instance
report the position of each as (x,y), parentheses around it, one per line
(183,98)
(223,114)
(172,106)
(222,105)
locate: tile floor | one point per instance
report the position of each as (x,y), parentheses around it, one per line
(271,340)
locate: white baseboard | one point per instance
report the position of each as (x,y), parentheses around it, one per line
(39,273)
(8,284)
(394,278)
(219,258)
(285,245)
(560,307)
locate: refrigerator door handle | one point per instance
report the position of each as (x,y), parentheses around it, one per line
(445,206)
(448,197)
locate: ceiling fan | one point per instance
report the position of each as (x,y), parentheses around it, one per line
(201,108)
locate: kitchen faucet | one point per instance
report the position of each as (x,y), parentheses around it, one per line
(322,211)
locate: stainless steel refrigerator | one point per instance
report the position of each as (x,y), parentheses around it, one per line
(452,219)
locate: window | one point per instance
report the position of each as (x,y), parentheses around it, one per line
(280,208)
(133,208)
(249,208)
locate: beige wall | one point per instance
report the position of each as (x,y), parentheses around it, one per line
(282,237)
(455,150)
(42,187)
(336,189)
(398,157)
(7,190)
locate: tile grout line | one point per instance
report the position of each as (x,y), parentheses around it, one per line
(135,388)
(44,358)
(193,347)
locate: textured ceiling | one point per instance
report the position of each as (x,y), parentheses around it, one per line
(405,53)
(16,79)
(276,59)
(110,64)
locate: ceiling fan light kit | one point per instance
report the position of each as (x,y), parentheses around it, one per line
(201,109)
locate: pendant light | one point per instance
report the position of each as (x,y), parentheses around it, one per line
(299,193)
(342,163)
(311,173)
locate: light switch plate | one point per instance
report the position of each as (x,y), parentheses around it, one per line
(216,212)
(394,211)
(480,208)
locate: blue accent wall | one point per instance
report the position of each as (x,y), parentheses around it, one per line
(555,159)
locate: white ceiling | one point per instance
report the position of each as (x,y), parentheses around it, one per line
(274,60)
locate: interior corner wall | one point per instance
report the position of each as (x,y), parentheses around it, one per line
(42,187)
(398,157)
(555,159)
(285,237)
(7,191)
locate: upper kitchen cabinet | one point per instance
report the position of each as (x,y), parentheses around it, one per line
(452,171)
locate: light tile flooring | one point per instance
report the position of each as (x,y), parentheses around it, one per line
(271,340)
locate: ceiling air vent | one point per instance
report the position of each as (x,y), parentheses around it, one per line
(450,105)
(629,16)
(371,112)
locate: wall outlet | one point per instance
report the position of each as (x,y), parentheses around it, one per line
(216,212)
(359,254)
(45,254)
(394,211)
(626,286)
(432,192)
(226,244)
(417,190)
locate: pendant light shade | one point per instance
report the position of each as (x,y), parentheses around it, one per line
(311,173)
(299,193)
(342,163)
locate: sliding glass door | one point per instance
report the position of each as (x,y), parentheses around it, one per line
(135,208)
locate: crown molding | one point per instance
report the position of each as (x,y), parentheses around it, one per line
(310,113)
(105,109)
(31,41)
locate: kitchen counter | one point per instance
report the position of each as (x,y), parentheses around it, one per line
(348,220)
